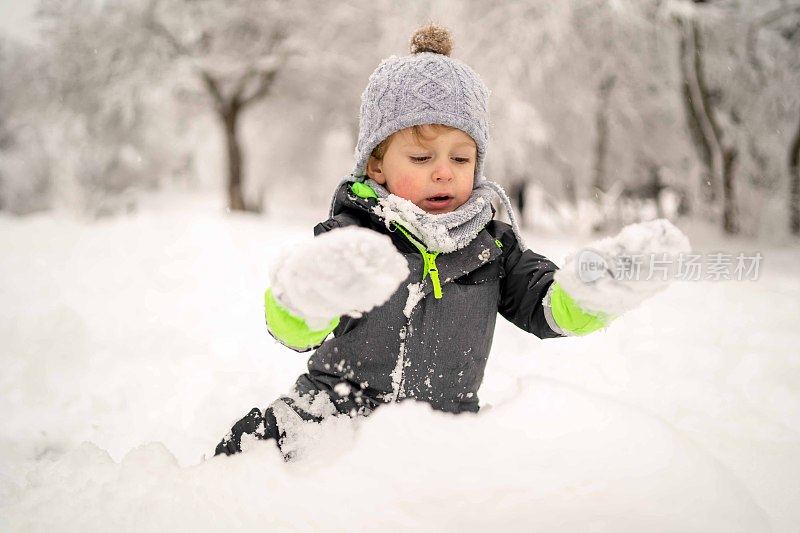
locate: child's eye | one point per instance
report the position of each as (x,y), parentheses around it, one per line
(422,159)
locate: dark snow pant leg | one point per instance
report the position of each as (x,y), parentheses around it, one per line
(262,427)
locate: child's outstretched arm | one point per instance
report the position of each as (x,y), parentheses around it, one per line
(346,271)
(525,281)
(548,302)
(534,302)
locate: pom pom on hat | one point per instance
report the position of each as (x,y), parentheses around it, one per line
(431,38)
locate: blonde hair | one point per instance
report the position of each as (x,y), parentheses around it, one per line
(416,131)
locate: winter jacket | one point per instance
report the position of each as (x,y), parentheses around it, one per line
(435,351)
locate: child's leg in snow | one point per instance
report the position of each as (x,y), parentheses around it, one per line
(311,400)
(282,421)
(254,425)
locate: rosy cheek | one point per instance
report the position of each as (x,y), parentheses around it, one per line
(403,187)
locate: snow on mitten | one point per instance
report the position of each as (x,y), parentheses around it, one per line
(615,274)
(346,271)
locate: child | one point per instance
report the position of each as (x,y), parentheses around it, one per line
(418,179)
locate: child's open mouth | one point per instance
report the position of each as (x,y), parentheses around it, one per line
(441,201)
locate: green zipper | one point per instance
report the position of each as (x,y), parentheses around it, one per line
(428,261)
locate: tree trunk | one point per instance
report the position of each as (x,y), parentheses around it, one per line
(601,124)
(700,118)
(230,119)
(518,191)
(730,222)
(568,175)
(655,187)
(571,189)
(794,183)
(229,108)
(720,160)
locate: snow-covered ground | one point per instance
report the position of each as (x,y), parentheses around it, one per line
(130,345)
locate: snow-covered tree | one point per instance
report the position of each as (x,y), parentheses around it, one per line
(773,42)
(99,134)
(243,51)
(25,181)
(236,49)
(585,99)
(598,104)
(740,92)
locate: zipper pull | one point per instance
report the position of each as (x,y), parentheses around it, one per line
(434,273)
(428,262)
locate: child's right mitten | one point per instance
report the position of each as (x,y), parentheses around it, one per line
(346,271)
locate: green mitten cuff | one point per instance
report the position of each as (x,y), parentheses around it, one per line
(569,316)
(290,329)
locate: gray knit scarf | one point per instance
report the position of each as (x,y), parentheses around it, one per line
(446,232)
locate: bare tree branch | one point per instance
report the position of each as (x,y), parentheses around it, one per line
(756,26)
(241,86)
(158,28)
(265,81)
(216,93)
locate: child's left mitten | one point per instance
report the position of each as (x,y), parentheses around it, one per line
(614,275)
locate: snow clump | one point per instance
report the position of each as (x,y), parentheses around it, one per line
(615,274)
(347,271)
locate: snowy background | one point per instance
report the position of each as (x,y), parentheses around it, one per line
(131,276)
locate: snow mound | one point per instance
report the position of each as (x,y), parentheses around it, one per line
(615,274)
(347,271)
(150,328)
(580,462)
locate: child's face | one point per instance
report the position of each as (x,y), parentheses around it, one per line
(437,175)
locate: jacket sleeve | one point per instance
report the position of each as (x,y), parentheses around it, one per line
(291,330)
(339,221)
(527,277)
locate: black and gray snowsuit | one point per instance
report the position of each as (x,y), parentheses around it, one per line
(436,354)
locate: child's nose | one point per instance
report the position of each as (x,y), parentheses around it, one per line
(442,173)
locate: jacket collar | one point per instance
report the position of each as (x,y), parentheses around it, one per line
(482,250)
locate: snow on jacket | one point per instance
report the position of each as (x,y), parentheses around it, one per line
(417,345)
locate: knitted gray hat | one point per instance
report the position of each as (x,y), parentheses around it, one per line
(426,87)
